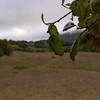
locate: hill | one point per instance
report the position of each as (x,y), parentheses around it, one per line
(69,37)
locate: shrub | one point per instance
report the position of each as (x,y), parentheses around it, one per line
(8,50)
(5,48)
(1,52)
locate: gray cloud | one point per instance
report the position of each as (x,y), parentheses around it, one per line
(21,18)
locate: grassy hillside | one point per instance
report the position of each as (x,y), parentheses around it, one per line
(45,76)
(45,60)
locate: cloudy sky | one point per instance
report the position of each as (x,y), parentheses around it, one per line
(21,19)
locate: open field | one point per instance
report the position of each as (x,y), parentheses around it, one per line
(45,76)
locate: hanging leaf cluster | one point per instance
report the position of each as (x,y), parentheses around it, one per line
(88,13)
(54,40)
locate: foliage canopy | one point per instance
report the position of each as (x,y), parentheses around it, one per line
(88,13)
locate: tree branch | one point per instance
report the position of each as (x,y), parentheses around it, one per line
(62,17)
(91,25)
(42,17)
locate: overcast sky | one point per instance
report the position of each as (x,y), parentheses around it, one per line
(21,19)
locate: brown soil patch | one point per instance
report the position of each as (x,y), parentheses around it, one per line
(50,82)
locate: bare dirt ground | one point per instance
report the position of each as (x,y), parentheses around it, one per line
(45,76)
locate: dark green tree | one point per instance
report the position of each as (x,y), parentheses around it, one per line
(5,48)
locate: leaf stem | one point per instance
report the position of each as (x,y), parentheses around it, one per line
(65,6)
(62,17)
(42,17)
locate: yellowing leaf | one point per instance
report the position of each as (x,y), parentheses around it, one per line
(52,30)
(56,45)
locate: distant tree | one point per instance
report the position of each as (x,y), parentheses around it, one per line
(41,44)
(12,42)
(22,44)
(5,48)
(1,52)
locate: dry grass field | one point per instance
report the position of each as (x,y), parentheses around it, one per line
(45,76)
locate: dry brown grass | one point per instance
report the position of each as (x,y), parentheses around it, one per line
(45,76)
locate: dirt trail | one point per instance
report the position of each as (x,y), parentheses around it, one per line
(45,76)
(51,84)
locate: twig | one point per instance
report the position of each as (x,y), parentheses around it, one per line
(91,25)
(42,17)
(65,6)
(62,17)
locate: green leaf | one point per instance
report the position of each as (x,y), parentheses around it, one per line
(85,37)
(81,9)
(68,26)
(94,22)
(74,48)
(54,40)
(95,6)
(56,45)
(52,30)
(63,2)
